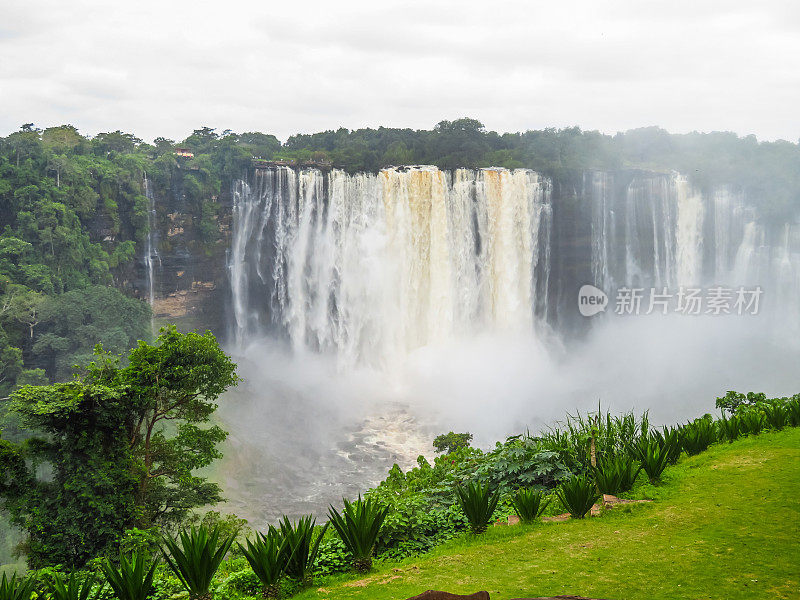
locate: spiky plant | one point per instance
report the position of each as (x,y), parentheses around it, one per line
(751,420)
(73,587)
(133,578)
(793,410)
(670,441)
(267,557)
(478,503)
(777,416)
(578,495)
(616,474)
(698,435)
(359,525)
(195,557)
(529,505)
(653,457)
(728,428)
(16,588)
(301,547)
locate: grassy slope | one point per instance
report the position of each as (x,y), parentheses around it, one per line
(725,524)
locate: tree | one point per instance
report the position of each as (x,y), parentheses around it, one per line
(450,442)
(122,444)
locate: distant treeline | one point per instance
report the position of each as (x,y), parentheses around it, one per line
(73,209)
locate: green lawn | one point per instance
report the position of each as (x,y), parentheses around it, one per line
(725,524)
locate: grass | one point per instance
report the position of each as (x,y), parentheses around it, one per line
(724,524)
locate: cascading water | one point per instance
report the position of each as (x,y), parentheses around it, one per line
(372,267)
(371,311)
(152,259)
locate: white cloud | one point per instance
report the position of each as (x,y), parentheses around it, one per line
(165,68)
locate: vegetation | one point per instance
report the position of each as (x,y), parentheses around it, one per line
(450,442)
(529,504)
(359,526)
(267,556)
(16,588)
(578,495)
(195,558)
(115,465)
(478,503)
(616,474)
(75,586)
(132,578)
(302,546)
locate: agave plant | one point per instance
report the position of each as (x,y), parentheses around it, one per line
(698,435)
(578,495)
(74,587)
(777,416)
(793,410)
(268,559)
(670,441)
(751,420)
(359,525)
(653,457)
(616,474)
(301,546)
(16,588)
(528,504)
(478,504)
(132,579)
(728,428)
(195,557)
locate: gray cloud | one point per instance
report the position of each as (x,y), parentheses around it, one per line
(167,68)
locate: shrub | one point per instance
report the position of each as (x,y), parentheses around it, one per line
(653,457)
(528,504)
(728,429)
(478,504)
(450,442)
(616,474)
(267,558)
(195,557)
(670,441)
(776,414)
(132,579)
(698,435)
(578,495)
(301,546)
(16,588)
(73,587)
(751,420)
(793,410)
(359,525)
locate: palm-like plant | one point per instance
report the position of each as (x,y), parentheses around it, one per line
(528,504)
(578,495)
(132,579)
(670,440)
(195,557)
(267,558)
(73,587)
(751,420)
(478,504)
(776,414)
(793,410)
(728,429)
(359,525)
(301,546)
(16,588)
(653,457)
(616,473)
(698,435)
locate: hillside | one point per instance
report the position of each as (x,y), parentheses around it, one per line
(725,524)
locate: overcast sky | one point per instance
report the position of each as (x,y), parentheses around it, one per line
(166,68)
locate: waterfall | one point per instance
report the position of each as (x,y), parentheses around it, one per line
(373,266)
(152,259)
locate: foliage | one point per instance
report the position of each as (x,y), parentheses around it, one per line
(132,578)
(16,588)
(578,495)
(195,557)
(75,586)
(302,546)
(450,442)
(733,401)
(115,463)
(529,505)
(359,526)
(478,503)
(616,474)
(268,558)
(698,435)
(653,457)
